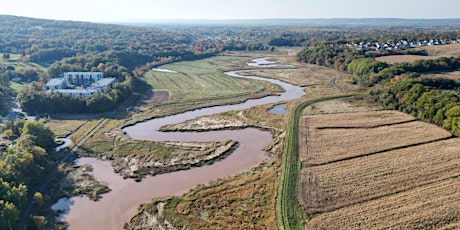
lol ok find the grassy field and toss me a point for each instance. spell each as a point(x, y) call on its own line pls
point(204, 80)
point(407, 182)
point(434, 52)
point(18, 65)
point(17, 87)
point(63, 128)
point(198, 84)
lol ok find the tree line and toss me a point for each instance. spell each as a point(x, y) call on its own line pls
point(23, 168)
point(432, 100)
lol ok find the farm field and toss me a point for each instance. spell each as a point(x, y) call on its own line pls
point(358, 119)
point(325, 145)
point(405, 177)
point(341, 184)
point(434, 206)
point(434, 52)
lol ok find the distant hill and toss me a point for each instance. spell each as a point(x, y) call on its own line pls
point(311, 22)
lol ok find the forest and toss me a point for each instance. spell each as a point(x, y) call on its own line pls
point(23, 168)
point(432, 100)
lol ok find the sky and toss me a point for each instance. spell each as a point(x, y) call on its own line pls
point(137, 10)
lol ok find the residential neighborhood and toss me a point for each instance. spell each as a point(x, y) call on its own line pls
point(401, 45)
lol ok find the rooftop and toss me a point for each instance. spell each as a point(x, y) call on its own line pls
point(84, 73)
point(76, 91)
point(55, 81)
point(104, 82)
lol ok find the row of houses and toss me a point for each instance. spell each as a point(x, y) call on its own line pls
point(401, 45)
point(87, 83)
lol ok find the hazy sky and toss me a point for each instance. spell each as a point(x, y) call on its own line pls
point(120, 10)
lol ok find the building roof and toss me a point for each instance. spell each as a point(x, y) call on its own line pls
point(84, 73)
point(75, 91)
point(55, 81)
point(104, 82)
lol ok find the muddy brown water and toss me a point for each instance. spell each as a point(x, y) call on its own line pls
point(116, 207)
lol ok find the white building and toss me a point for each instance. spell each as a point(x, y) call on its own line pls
point(56, 83)
point(101, 84)
point(92, 82)
point(77, 92)
point(83, 78)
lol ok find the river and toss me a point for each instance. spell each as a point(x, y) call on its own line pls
point(116, 207)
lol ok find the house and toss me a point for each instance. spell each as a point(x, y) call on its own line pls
point(83, 78)
point(56, 83)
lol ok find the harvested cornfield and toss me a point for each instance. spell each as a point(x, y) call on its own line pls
point(341, 184)
point(325, 145)
point(358, 119)
point(434, 206)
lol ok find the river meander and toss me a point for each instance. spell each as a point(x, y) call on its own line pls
point(116, 207)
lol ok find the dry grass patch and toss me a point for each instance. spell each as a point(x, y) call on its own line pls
point(332, 186)
point(392, 59)
point(450, 50)
point(366, 119)
point(305, 75)
point(348, 105)
point(454, 75)
point(320, 146)
point(435, 206)
point(63, 128)
point(243, 202)
point(215, 122)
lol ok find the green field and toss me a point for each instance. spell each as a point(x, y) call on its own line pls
point(17, 87)
point(18, 65)
point(205, 79)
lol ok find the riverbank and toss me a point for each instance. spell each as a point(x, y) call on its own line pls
point(236, 162)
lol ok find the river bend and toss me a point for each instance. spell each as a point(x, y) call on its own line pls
point(116, 207)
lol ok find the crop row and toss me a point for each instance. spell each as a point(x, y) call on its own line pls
point(434, 206)
point(320, 146)
point(332, 186)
